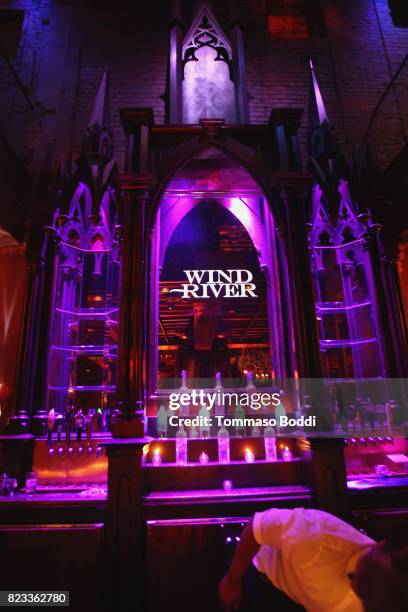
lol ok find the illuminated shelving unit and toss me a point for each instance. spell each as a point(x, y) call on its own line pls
point(348, 338)
point(83, 355)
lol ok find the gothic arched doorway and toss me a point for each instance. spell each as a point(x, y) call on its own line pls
point(215, 290)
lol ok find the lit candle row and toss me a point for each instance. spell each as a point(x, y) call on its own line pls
point(249, 456)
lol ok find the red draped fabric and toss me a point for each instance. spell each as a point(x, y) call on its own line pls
point(12, 286)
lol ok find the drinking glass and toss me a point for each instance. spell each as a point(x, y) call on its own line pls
point(31, 482)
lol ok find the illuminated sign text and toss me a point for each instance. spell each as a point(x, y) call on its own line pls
point(205, 284)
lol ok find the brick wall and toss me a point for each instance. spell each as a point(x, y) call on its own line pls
point(354, 63)
point(66, 45)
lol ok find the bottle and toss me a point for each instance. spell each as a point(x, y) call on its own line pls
point(183, 379)
point(223, 445)
point(50, 425)
point(162, 421)
point(270, 444)
point(250, 380)
point(3, 483)
point(204, 427)
point(181, 446)
point(279, 413)
point(239, 415)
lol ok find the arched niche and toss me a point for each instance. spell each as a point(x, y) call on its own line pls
point(207, 88)
point(215, 188)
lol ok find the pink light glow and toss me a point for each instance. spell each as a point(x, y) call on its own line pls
point(238, 208)
point(98, 245)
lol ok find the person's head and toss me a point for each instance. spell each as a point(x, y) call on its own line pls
point(381, 577)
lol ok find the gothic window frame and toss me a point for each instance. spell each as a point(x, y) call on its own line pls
point(336, 232)
point(205, 32)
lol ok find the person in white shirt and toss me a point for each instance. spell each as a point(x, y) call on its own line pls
point(305, 559)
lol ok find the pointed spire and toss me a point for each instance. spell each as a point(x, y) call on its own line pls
point(317, 112)
point(322, 138)
point(62, 185)
point(200, 4)
point(100, 112)
point(98, 135)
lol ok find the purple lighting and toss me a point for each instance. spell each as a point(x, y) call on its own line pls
point(319, 99)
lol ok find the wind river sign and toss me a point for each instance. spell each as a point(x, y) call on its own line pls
point(204, 284)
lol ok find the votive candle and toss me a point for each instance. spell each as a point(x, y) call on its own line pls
point(286, 454)
point(156, 459)
point(249, 456)
point(203, 458)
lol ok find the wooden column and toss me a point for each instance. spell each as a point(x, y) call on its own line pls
point(129, 417)
point(379, 291)
point(124, 533)
point(29, 338)
point(124, 526)
point(238, 63)
point(289, 364)
point(45, 316)
point(175, 113)
point(135, 184)
point(293, 191)
point(395, 306)
point(137, 124)
point(325, 472)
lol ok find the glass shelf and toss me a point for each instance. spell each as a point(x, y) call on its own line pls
point(102, 388)
point(86, 348)
point(345, 343)
point(323, 307)
point(83, 355)
point(345, 315)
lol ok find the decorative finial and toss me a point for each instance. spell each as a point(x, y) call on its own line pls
point(98, 136)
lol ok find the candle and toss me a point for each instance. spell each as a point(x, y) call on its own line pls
point(156, 458)
point(381, 471)
point(249, 456)
point(286, 454)
point(227, 485)
point(203, 458)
